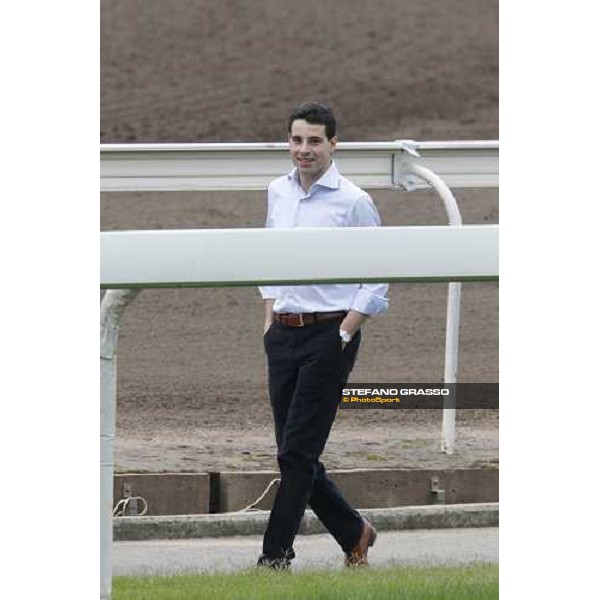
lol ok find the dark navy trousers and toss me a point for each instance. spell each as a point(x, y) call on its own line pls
point(307, 368)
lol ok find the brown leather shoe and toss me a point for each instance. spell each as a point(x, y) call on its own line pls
point(358, 556)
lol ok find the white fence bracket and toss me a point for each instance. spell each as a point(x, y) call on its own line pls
point(407, 168)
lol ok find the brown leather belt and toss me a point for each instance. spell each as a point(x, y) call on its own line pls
point(302, 319)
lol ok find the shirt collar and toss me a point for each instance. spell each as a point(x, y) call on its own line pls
point(329, 179)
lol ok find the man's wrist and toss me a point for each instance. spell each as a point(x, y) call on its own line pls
point(353, 322)
point(345, 336)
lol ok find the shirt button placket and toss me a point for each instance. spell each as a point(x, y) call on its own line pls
point(301, 198)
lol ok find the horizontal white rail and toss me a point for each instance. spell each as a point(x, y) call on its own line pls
point(246, 257)
point(251, 166)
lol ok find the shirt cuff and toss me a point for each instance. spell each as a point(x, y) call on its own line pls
point(268, 292)
point(368, 303)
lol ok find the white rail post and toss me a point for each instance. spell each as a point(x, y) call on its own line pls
point(454, 292)
point(111, 308)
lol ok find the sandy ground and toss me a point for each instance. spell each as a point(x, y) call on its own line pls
point(229, 70)
point(192, 378)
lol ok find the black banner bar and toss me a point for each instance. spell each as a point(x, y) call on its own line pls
point(420, 395)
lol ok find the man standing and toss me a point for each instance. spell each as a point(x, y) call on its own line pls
point(312, 335)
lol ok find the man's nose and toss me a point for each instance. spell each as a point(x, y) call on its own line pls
point(304, 147)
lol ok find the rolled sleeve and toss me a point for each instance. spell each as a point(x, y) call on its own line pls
point(268, 292)
point(370, 299)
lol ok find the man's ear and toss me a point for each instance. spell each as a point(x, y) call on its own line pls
point(333, 142)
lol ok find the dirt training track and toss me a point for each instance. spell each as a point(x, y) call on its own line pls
point(191, 367)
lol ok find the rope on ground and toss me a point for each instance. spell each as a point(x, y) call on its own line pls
point(251, 507)
point(123, 504)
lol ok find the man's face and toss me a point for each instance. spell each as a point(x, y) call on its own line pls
point(310, 149)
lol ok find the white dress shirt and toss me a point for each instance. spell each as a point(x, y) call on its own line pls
point(332, 201)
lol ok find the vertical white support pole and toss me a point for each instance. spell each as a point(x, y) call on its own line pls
point(451, 366)
point(111, 308)
point(453, 310)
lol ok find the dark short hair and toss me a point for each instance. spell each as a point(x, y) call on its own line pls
point(316, 114)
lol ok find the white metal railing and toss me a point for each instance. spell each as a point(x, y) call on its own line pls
point(176, 167)
point(250, 257)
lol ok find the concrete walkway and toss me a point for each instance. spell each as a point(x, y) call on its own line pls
point(414, 547)
point(399, 518)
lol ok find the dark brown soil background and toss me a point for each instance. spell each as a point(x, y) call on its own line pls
point(191, 368)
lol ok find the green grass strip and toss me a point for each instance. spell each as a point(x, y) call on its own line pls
point(472, 582)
